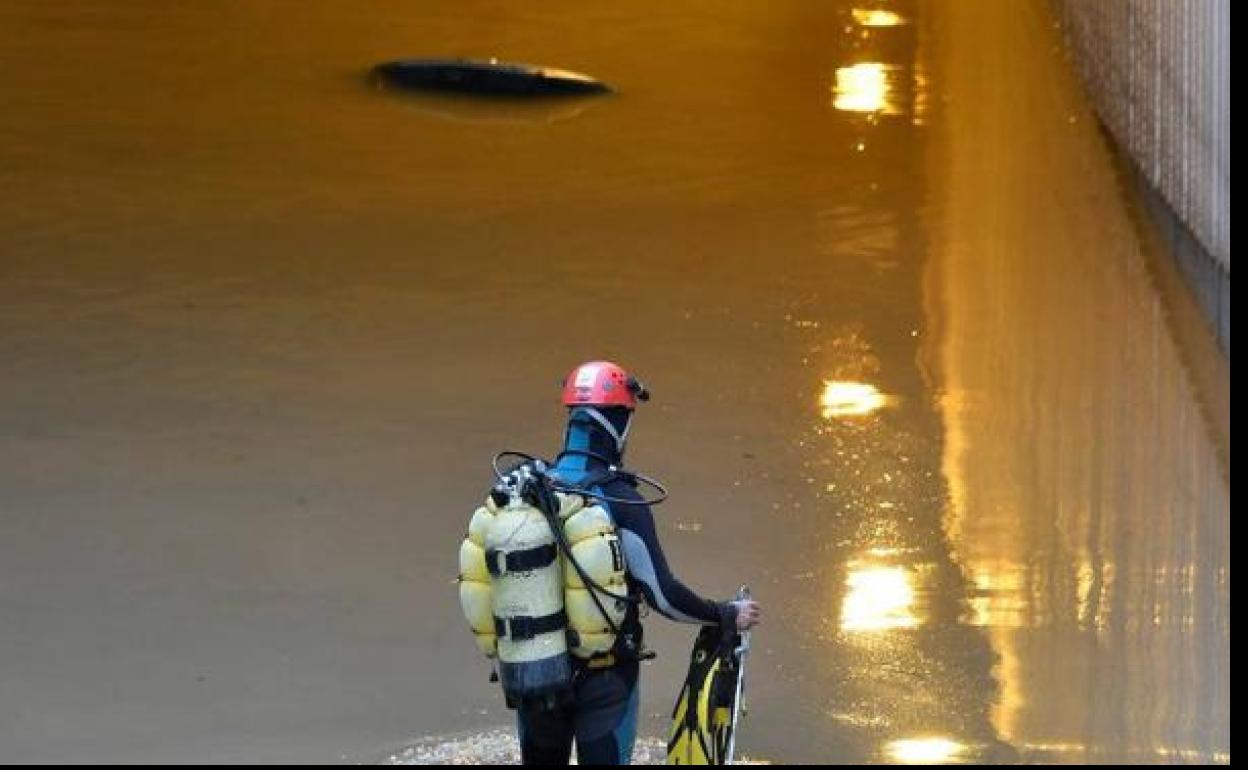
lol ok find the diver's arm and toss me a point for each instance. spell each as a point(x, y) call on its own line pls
point(648, 567)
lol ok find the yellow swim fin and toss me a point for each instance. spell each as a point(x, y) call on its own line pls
point(704, 718)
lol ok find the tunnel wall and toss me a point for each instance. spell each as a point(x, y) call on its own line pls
point(1158, 74)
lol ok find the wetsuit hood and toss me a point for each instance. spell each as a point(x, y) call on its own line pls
point(595, 437)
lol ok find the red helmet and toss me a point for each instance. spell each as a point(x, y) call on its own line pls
point(602, 383)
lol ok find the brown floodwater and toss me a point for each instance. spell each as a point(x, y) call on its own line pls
point(921, 377)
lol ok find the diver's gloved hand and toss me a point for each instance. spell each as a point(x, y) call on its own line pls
point(748, 613)
point(740, 615)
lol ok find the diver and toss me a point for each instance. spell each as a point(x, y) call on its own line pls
point(594, 600)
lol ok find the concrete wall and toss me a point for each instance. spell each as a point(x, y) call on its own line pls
point(1158, 72)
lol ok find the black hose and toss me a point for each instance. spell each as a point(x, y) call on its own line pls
point(511, 453)
point(548, 504)
point(542, 490)
point(572, 489)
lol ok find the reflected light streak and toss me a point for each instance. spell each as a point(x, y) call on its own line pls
point(876, 17)
point(879, 599)
point(850, 399)
point(1191, 756)
point(1164, 753)
point(863, 87)
point(925, 751)
point(999, 599)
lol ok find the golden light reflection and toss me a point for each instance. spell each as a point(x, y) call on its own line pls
point(850, 399)
point(925, 751)
point(1165, 753)
point(864, 87)
point(876, 17)
point(879, 599)
point(999, 599)
point(882, 552)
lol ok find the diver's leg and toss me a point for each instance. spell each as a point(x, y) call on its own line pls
point(606, 715)
point(545, 736)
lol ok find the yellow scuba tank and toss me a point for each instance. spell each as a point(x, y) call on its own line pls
point(475, 596)
point(526, 584)
point(527, 604)
point(596, 547)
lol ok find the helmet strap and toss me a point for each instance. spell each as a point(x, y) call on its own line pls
point(620, 438)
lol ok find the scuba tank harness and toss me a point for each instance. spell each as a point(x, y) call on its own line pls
point(532, 575)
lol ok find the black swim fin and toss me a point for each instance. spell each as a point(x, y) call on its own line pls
point(704, 720)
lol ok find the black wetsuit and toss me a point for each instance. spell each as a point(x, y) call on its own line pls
point(602, 714)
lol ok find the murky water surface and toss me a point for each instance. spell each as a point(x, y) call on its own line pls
point(262, 325)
